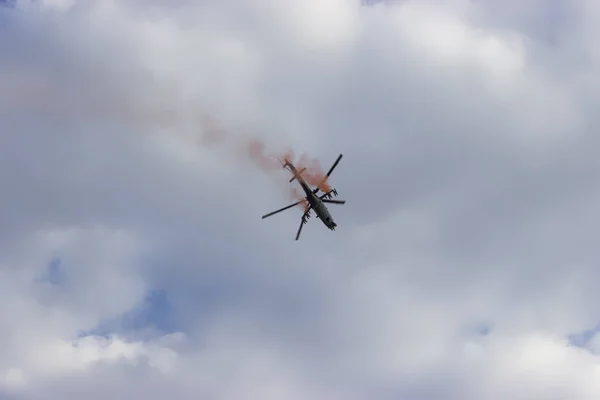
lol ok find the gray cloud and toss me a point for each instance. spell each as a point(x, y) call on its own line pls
point(468, 170)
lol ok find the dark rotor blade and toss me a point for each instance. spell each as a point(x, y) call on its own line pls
point(300, 228)
point(282, 209)
point(334, 201)
point(303, 220)
point(334, 164)
point(329, 172)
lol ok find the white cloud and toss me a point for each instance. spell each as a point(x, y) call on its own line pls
point(61, 5)
point(469, 172)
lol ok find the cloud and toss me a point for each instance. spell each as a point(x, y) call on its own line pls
point(464, 257)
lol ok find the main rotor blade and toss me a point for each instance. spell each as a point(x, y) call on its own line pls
point(304, 220)
point(334, 164)
point(329, 172)
point(334, 201)
point(300, 228)
point(282, 209)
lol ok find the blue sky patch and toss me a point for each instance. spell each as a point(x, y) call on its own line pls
point(8, 3)
point(582, 339)
point(153, 314)
point(54, 274)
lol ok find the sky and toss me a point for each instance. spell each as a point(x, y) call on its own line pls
point(133, 260)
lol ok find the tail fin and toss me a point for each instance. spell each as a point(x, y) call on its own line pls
point(298, 174)
point(284, 162)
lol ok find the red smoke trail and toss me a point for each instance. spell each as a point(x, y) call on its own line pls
point(25, 92)
point(255, 150)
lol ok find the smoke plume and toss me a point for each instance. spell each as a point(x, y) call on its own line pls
point(255, 150)
point(22, 92)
